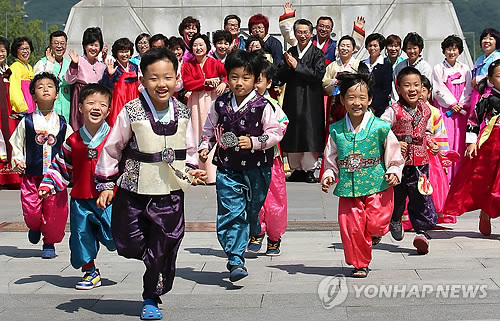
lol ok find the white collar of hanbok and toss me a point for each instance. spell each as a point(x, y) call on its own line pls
point(170, 107)
point(44, 125)
point(320, 45)
point(379, 61)
point(362, 126)
point(235, 106)
point(303, 52)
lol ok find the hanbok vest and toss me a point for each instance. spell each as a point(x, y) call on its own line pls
point(360, 158)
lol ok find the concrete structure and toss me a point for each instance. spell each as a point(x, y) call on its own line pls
point(433, 19)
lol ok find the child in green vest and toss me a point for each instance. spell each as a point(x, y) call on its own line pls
point(363, 156)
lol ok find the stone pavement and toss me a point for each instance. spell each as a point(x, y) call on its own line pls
point(278, 288)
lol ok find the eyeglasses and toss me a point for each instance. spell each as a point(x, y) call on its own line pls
point(143, 44)
point(259, 28)
point(232, 25)
point(24, 49)
point(57, 43)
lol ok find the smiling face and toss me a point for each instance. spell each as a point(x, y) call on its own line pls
point(241, 82)
point(199, 48)
point(345, 50)
point(324, 29)
point(258, 30)
point(123, 56)
point(374, 49)
point(24, 52)
point(451, 54)
point(413, 52)
point(45, 93)
point(58, 46)
point(221, 47)
point(3, 54)
point(393, 50)
point(303, 35)
point(92, 49)
point(356, 100)
point(232, 26)
point(178, 52)
point(425, 94)
point(189, 32)
point(160, 79)
point(143, 46)
point(262, 84)
point(488, 44)
point(410, 89)
point(95, 109)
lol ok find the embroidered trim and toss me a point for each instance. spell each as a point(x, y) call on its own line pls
point(100, 187)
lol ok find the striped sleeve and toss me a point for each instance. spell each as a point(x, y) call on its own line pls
point(58, 176)
point(439, 130)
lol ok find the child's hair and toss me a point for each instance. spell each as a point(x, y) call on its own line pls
point(258, 19)
point(155, 54)
point(43, 75)
point(406, 71)
point(58, 33)
point(253, 38)
point(426, 82)
point(415, 39)
point(392, 39)
point(204, 38)
point(250, 62)
point(5, 43)
point(351, 39)
point(158, 37)
point(347, 80)
point(122, 44)
point(492, 32)
point(378, 37)
point(268, 69)
point(139, 38)
point(232, 16)
point(91, 35)
point(176, 41)
point(189, 20)
point(222, 35)
point(483, 84)
point(91, 89)
point(18, 42)
point(453, 41)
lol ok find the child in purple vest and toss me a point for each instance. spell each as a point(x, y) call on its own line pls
point(244, 127)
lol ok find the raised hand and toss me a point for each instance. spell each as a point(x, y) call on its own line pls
point(50, 56)
point(111, 67)
point(104, 52)
point(288, 7)
point(290, 60)
point(73, 55)
point(360, 22)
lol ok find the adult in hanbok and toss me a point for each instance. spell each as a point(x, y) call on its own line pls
point(21, 76)
point(258, 25)
point(141, 46)
point(222, 40)
point(393, 50)
point(205, 78)
point(490, 43)
point(121, 77)
point(83, 70)
point(158, 40)
point(7, 125)
point(55, 63)
point(232, 23)
point(381, 70)
point(302, 70)
point(452, 91)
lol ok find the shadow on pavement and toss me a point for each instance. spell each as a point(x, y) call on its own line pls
point(219, 253)
point(315, 270)
point(448, 234)
point(115, 307)
point(382, 246)
point(67, 282)
point(15, 252)
point(207, 277)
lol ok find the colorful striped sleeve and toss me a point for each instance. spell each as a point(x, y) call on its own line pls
point(439, 130)
point(58, 176)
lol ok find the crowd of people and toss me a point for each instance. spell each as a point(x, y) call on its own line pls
point(408, 145)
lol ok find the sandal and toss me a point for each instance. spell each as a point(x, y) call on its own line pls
point(150, 310)
point(360, 273)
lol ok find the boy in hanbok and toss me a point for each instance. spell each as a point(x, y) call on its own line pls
point(273, 214)
point(477, 184)
point(36, 140)
point(451, 92)
point(150, 155)
point(364, 158)
point(410, 119)
point(244, 127)
point(76, 163)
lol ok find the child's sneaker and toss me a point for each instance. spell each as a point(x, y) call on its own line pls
point(49, 251)
point(237, 273)
point(421, 243)
point(34, 236)
point(90, 280)
point(255, 243)
point(397, 231)
point(273, 248)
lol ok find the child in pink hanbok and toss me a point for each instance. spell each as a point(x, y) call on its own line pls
point(452, 91)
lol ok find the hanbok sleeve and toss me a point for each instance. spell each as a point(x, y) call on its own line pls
point(207, 140)
point(286, 27)
point(393, 159)
point(3, 149)
point(18, 142)
point(331, 157)
point(466, 94)
point(16, 95)
point(389, 116)
point(110, 80)
point(272, 133)
point(441, 93)
point(58, 175)
point(191, 147)
point(40, 67)
point(71, 75)
point(359, 36)
point(314, 73)
point(192, 78)
point(329, 78)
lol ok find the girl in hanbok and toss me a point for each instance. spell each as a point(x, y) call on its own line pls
point(83, 70)
point(22, 74)
point(121, 77)
point(477, 183)
point(452, 91)
point(205, 77)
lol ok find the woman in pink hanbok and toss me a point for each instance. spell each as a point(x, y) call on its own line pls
point(452, 91)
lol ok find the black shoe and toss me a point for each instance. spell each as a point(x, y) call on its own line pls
point(34, 236)
point(310, 177)
point(297, 176)
point(397, 231)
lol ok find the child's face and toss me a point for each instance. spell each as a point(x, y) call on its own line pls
point(425, 94)
point(3, 54)
point(24, 52)
point(254, 46)
point(45, 92)
point(451, 54)
point(95, 109)
point(160, 79)
point(356, 100)
point(123, 56)
point(92, 49)
point(222, 47)
point(495, 78)
point(410, 89)
point(262, 84)
point(412, 51)
point(199, 47)
point(241, 82)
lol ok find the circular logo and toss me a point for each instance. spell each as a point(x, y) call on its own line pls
point(332, 291)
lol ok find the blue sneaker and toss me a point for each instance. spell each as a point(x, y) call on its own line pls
point(273, 248)
point(150, 310)
point(238, 272)
point(89, 281)
point(49, 251)
point(34, 236)
point(255, 243)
